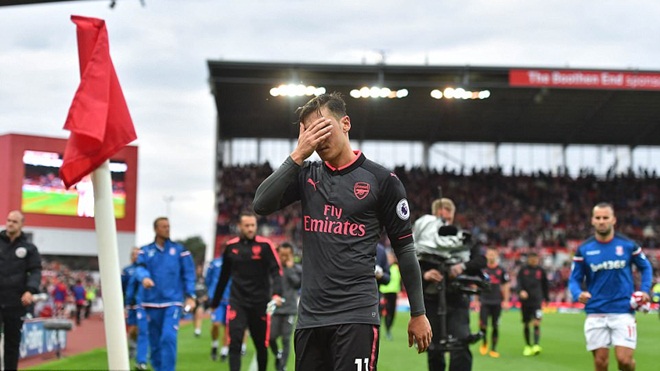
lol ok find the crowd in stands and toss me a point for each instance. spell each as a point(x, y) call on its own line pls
point(513, 212)
point(71, 293)
point(521, 210)
point(538, 209)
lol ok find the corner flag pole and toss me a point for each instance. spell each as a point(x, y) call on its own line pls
point(106, 236)
point(100, 126)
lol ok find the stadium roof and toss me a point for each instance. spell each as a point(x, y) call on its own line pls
point(526, 105)
point(25, 2)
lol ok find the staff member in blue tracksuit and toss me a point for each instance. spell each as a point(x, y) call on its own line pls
point(167, 272)
point(219, 315)
point(136, 319)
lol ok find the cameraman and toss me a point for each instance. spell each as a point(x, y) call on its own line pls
point(437, 239)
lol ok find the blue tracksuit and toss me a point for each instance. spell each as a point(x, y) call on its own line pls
point(212, 277)
point(607, 267)
point(137, 316)
point(172, 270)
point(211, 281)
point(126, 275)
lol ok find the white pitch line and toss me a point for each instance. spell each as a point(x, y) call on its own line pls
point(253, 364)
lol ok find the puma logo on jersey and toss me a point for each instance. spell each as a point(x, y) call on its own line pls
point(313, 183)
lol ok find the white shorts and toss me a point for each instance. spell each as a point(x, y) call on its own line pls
point(607, 330)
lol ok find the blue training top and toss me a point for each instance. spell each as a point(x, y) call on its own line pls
point(607, 267)
point(212, 278)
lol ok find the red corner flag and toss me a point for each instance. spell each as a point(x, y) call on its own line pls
point(98, 119)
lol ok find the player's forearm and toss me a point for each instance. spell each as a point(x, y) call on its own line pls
point(223, 280)
point(575, 287)
point(269, 193)
point(217, 295)
point(646, 271)
point(34, 280)
point(276, 278)
point(293, 278)
point(141, 272)
point(411, 277)
point(506, 296)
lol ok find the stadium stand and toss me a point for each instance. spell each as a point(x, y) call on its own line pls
point(516, 212)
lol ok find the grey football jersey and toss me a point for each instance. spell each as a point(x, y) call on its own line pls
point(343, 213)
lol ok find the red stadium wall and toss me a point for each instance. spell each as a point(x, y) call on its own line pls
point(12, 148)
point(5, 171)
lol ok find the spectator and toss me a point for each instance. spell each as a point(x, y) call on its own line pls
point(79, 298)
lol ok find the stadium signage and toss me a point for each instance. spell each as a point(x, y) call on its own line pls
point(578, 79)
point(37, 340)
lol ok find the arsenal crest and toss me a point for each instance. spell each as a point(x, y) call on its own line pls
point(256, 252)
point(361, 190)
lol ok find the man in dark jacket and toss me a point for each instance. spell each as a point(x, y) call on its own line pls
point(251, 262)
point(281, 322)
point(20, 264)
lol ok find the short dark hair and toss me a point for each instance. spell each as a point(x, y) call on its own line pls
point(246, 213)
point(333, 102)
point(159, 219)
point(604, 205)
point(285, 245)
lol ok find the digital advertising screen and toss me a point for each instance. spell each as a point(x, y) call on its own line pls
point(43, 191)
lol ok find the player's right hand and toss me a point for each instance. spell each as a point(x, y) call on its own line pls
point(275, 302)
point(148, 283)
point(419, 333)
point(432, 275)
point(310, 137)
point(584, 297)
point(26, 298)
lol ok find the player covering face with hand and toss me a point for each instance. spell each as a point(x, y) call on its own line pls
point(346, 201)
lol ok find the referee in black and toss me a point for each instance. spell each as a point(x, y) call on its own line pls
point(20, 264)
point(346, 202)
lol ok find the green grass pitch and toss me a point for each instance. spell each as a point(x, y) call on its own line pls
point(562, 340)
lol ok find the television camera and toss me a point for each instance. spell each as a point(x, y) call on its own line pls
point(450, 239)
